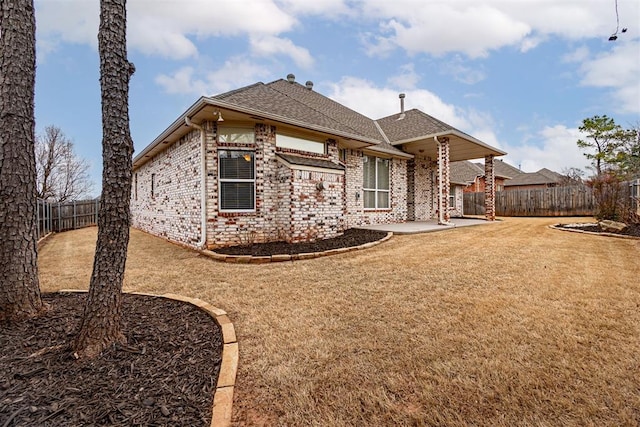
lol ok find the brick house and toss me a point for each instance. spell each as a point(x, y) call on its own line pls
point(279, 161)
point(470, 175)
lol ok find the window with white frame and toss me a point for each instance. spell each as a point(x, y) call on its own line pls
point(452, 197)
point(237, 190)
point(238, 135)
point(301, 144)
point(375, 185)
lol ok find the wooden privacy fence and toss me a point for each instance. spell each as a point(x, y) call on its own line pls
point(553, 201)
point(53, 216)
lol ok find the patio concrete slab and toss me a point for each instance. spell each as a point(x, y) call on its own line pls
point(415, 227)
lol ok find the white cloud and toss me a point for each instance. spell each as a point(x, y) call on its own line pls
point(316, 7)
point(365, 97)
point(162, 28)
point(478, 30)
point(529, 43)
point(269, 45)
point(477, 27)
point(554, 147)
point(463, 73)
point(578, 55)
point(617, 69)
point(406, 78)
point(234, 73)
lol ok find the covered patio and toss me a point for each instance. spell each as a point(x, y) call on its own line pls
point(432, 140)
point(417, 227)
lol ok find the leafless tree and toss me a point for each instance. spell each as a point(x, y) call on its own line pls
point(572, 176)
point(61, 174)
point(101, 323)
point(19, 286)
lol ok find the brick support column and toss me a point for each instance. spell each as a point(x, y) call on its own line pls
point(443, 165)
point(411, 190)
point(489, 188)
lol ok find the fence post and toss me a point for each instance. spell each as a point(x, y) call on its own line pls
point(38, 216)
point(74, 215)
point(50, 214)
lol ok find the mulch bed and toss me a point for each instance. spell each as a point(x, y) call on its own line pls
point(166, 375)
point(631, 230)
point(351, 237)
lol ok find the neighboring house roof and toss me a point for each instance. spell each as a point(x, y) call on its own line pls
point(464, 172)
point(542, 177)
point(555, 176)
point(502, 169)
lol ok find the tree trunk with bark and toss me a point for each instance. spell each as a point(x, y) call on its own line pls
point(19, 286)
point(101, 323)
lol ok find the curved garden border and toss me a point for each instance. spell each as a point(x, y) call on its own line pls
point(250, 259)
point(223, 397)
point(619, 236)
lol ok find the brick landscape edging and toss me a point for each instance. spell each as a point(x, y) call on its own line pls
point(619, 236)
point(223, 397)
point(249, 259)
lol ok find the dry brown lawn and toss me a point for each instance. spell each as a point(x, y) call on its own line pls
point(503, 324)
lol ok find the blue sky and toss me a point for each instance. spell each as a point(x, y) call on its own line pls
point(518, 74)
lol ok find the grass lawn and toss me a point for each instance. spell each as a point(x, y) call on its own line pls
point(504, 324)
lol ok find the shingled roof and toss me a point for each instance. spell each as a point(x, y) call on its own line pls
point(292, 104)
point(542, 177)
point(295, 101)
point(464, 172)
point(503, 169)
point(414, 124)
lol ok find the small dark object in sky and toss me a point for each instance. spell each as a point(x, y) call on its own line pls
point(624, 30)
point(613, 37)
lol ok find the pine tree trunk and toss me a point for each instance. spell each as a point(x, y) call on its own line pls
point(19, 286)
point(101, 323)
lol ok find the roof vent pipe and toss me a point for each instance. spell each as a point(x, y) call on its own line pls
point(291, 78)
point(401, 96)
point(309, 84)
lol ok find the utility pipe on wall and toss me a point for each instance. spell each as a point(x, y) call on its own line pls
point(203, 182)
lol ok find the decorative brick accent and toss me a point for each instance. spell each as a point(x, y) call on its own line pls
point(489, 188)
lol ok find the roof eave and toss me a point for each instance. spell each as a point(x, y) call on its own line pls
point(204, 101)
point(390, 152)
point(454, 132)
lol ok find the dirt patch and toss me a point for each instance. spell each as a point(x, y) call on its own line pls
point(166, 375)
point(351, 237)
point(631, 230)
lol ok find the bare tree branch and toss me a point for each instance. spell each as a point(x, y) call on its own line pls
point(61, 174)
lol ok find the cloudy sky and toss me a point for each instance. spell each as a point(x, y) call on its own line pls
point(518, 74)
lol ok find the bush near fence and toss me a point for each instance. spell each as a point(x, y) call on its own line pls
point(53, 216)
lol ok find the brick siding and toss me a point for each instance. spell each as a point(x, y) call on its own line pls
point(290, 204)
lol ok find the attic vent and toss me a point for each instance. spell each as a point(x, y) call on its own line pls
point(309, 84)
point(291, 78)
